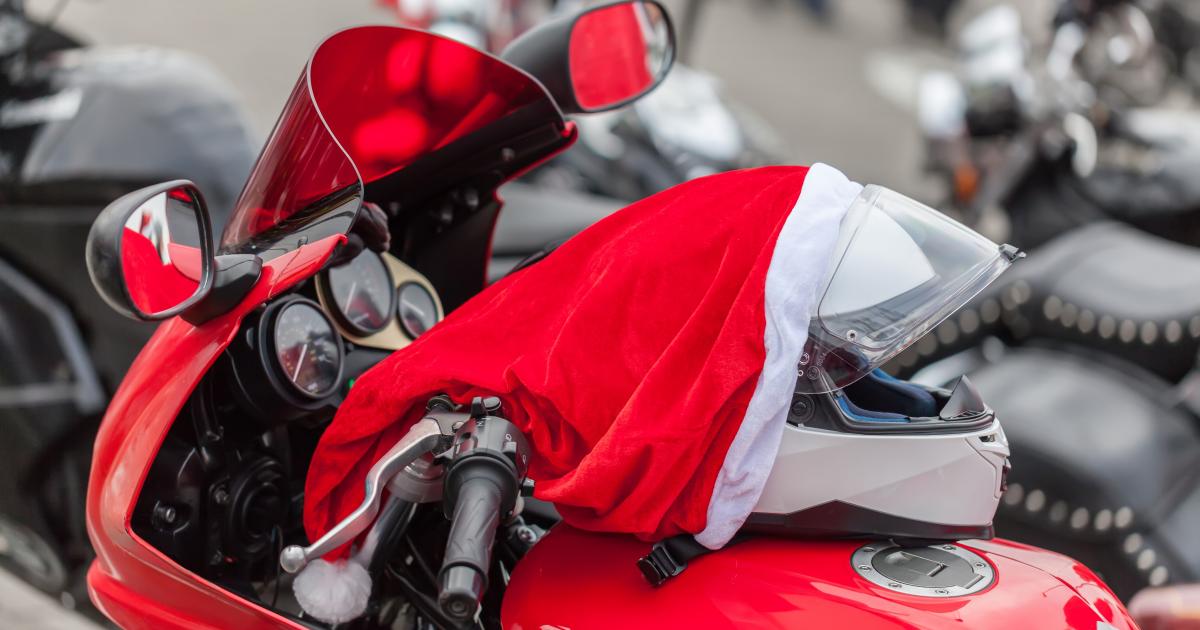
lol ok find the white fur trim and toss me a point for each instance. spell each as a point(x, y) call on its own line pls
point(798, 267)
point(333, 592)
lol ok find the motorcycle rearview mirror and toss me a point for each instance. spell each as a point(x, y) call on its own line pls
point(149, 253)
point(600, 59)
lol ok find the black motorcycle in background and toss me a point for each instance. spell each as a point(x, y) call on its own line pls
point(80, 126)
point(1032, 142)
point(1089, 348)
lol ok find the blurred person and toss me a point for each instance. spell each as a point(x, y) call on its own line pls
point(1167, 608)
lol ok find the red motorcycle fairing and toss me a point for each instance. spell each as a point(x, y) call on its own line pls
point(131, 582)
point(342, 129)
point(582, 580)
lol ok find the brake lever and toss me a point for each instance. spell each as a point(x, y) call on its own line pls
point(431, 434)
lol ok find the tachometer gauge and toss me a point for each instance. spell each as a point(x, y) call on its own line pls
point(307, 350)
point(362, 294)
point(416, 309)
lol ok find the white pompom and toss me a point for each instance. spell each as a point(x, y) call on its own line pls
point(333, 592)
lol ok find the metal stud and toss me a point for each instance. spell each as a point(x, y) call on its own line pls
point(1159, 576)
point(907, 358)
point(947, 333)
point(1079, 518)
point(1173, 331)
point(1107, 326)
point(1014, 494)
point(1149, 332)
point(1128, 330)
point(1104, 519)
point(1145, 559)
point(1132, 543)
point(1087, 321)
point(1035, 501)
point(927, 345)
point(1123, 517)
point(1194, 326)
point(1022, 292)
point(989, 312)
point(1008, 299)
point(1070, 313)
point(1058, 511)
point(1052, 307)
point(969, 321)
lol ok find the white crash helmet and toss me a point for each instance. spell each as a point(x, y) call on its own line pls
point(865, 454)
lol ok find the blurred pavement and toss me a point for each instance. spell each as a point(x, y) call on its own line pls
point(22, 606)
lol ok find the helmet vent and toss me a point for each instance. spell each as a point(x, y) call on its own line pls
point(930, 571)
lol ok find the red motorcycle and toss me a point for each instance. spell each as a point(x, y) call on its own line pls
point(196, 487)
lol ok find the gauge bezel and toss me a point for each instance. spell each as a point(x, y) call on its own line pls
point(270, 357)
point(327, 286)
point(396, 306)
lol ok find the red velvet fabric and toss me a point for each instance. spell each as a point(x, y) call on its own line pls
point(628, 357)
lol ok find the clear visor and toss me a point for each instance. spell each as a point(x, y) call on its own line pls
point(900, 268)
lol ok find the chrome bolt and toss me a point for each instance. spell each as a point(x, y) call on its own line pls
point(526, 535)
point(894, 584)
point(864, 567)
point(165, 513)
point(942, 591)
point(948, 547)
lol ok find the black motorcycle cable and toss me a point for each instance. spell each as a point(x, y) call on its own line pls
point(429, 574)
point(424, 604)
point(277, 536)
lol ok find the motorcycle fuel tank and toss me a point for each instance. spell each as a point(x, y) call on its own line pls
point(581, 580)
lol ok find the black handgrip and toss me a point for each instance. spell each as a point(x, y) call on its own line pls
point(469, 548)
point(479, 489)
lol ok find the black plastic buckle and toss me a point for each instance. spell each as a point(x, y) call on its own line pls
point(659, 565)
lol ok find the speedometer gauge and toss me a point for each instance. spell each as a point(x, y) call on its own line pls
point(307, 349)
point(362, 294)
point(416, 309)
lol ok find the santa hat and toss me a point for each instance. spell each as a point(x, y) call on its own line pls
point(650, 360)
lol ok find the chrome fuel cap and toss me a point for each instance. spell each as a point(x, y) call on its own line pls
point(929, 571)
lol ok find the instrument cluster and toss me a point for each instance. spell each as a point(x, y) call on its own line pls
point(309, 351)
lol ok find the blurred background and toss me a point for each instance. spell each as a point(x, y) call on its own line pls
point(1033, 121)
point(839, 90)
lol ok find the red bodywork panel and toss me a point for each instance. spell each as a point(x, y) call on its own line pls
point(133, 583)
point(583, 581)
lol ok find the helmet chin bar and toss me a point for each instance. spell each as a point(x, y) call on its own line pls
point(921, 470)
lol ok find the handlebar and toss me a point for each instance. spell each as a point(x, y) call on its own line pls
point(463, 578)
point(481, 486)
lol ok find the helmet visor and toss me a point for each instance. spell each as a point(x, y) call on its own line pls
point(900, 268)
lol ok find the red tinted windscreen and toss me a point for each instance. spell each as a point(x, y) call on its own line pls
point(373, 100)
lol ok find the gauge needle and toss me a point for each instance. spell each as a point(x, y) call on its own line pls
point(299, 362)
point(415, 308)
